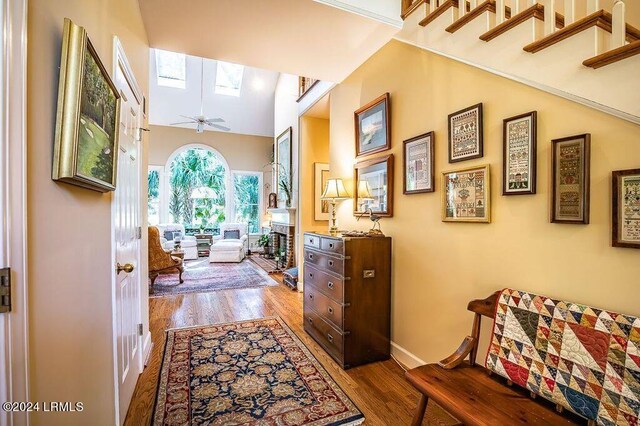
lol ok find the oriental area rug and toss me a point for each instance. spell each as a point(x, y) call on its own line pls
point(200, 276)
point(254, 372)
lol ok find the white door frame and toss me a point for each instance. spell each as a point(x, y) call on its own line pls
point(14, 379)
point(144, 341)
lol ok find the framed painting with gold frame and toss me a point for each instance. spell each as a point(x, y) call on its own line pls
point(466, 195)
point(87, 122)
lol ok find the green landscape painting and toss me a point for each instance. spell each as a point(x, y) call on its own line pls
point(98, 124)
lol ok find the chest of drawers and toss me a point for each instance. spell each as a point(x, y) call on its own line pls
point(347, 296)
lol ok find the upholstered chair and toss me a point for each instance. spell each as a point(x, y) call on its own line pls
point(229, 246)
point(188, 243)
point(160, 260)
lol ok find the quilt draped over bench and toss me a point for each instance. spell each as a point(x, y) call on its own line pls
point(583, 358)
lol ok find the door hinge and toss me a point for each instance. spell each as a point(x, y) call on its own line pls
point(5, 290)
point(139, 232)
point(140, 329)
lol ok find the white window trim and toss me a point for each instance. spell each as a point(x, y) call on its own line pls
point(168, 81)
point(260, 176)
point(224, 90)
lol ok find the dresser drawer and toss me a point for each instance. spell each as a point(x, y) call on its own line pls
point(332, 245)
point(326, 283)
point(312, 241)
point(323, 333)
point(325, 307)
point(325, 261)
point(312, 257)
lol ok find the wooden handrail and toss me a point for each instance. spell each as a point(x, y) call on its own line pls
point(535, 11)
point(412, 7)
point(305, 84)
point(614, 55)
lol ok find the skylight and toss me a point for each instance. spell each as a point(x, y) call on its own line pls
point(229, 79)
point(171, 69)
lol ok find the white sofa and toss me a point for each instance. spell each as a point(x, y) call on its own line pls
point(229, 249)
point(188, 243)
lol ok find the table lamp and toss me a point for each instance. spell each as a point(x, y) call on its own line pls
point(334, 191)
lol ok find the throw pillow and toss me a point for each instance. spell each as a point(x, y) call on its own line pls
point(232, 234)
point(168, 235)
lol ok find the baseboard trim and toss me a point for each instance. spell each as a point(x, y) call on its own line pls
point(146, 349)
point(404, 357)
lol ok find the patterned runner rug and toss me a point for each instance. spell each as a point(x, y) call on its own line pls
point(200, 276)
point(254, 372)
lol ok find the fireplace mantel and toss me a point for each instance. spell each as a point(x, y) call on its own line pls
point(283, 216)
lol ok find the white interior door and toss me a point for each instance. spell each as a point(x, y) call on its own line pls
point(127, 235)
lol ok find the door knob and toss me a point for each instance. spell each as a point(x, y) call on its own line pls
point(127, 267)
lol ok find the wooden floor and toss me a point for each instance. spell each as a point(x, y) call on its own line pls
point(378, 389)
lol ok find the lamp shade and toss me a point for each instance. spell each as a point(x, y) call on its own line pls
point(334, 190)
point(364, 191)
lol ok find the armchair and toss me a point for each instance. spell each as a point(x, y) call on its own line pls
point(240, 227)
point(160, 261)
point(229, 249)
point(187, 242)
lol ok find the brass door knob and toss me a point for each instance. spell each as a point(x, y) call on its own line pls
point(127, 267)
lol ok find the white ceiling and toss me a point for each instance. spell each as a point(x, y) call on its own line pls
point(251, 113)
point(300, 37)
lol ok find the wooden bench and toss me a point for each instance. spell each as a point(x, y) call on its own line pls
point(474, 395)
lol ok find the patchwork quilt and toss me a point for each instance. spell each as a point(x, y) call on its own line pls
point(583, 358)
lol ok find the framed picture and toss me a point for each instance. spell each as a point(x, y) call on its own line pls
point(320, 176)
point(284, 164)
point(374, 186)
point(466, 195)
point(86, 138)
point(418, 161)
point(570, 159)
point(373, 129)
point(626, 208)
point(465, 134)
point(519, 138)
point(273, 200)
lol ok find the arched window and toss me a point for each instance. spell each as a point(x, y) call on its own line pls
point(197, 189)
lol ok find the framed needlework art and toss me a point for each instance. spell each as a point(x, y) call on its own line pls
point(626, 208)
point(466, 195)
point(570, 159)
point(418, 161)
point(320, 177)
point(519, 154)
point(465, 134)
point(373, 180)
point(373, 129)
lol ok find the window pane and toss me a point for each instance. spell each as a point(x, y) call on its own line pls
point(246, 200)
point(153, 180)
point(171, 68)
point(229, 78)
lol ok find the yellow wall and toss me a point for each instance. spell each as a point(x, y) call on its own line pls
point(438, 267)
point(69, 228)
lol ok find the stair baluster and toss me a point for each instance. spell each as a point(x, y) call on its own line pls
point(593, 6)
point(618, 24)
point(500, 12)
point(550, 17)
point(569, 11)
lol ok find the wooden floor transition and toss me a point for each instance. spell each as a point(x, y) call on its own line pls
point(378, 389)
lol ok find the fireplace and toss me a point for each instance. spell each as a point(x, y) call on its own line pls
point(284, 229)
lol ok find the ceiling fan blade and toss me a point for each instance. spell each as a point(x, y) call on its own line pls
point(188, 118)
point(215, 120)
point(217, 126)
point(181, 122)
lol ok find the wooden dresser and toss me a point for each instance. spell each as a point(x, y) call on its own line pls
point(347, 296)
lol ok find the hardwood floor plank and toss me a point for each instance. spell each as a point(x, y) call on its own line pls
point(378, 389)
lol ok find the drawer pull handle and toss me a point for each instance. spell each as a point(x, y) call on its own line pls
point(330, 285)
point(330, 338)
point(330, 309)
point(331, 263)
point(310, 256)
point(310, 320)
point(311, 296)
point(330, 245)
point(311, 240)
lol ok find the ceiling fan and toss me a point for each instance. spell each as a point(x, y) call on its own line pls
point(201, 120)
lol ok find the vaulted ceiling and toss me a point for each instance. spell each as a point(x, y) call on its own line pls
point(300, 37)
